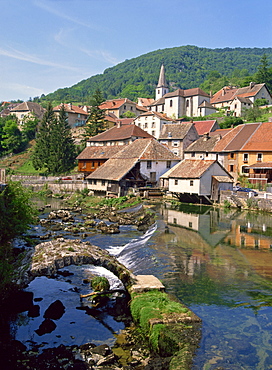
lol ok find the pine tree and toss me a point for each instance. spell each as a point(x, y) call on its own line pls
point(263, 74)
point(96, 120)
point(54, 149)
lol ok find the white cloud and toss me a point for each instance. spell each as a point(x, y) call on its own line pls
point(61, 14)
point(17, 54)
point(100, 55)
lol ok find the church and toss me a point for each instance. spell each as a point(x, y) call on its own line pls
point(192, 102)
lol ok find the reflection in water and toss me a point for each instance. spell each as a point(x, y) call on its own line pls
point(217, 262)
point(222, 271)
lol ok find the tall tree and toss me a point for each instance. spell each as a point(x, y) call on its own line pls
point(263, 74)
point(96, 120)
point(55, 149)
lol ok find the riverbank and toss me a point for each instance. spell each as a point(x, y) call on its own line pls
point(141, 217)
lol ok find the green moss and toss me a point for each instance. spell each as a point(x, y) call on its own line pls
point(154, 336)
point(100, 283)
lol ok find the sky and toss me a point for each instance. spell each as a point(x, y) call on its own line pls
point(50, 44)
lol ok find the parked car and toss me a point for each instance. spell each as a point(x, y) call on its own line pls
point(245, 190)
point(66, 178)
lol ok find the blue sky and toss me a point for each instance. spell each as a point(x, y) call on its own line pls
point(50, 44)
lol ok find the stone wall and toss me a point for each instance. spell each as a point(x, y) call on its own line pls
point(241, 200)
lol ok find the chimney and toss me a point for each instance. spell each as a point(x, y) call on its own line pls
point(70, 106)
point(118, 124)
point(252, 84)
point(223, 92)
point(206, 136)
point(169, 134)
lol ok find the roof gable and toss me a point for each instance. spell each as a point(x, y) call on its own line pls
point(175, 130)
point(189, 169)
point(122, 132)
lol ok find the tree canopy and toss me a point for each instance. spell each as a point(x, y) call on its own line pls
point(96, 121)
point(54, 150)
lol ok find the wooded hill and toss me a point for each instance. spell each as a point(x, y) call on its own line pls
point(186, 67)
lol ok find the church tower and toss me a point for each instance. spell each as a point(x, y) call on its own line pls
point(162, 87)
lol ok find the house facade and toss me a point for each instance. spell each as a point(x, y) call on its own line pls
point(196, 177)
point(235, 99)
point(152, 122)
point(138, 164)
point(118, 135)
point(177, 137)
point(76, 115)
point(26, 110)
point(92, 157)
point(120, 106)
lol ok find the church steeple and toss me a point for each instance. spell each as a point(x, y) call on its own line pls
point(162, 87)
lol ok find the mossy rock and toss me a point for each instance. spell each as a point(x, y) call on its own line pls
point(100, 284)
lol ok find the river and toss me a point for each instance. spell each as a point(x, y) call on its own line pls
point(217, 262)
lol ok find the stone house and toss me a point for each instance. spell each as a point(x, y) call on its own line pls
point(138, 164)
point(177, 137)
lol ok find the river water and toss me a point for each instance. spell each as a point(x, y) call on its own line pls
point(217, 262)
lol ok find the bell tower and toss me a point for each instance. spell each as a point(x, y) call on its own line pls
point(162, 87)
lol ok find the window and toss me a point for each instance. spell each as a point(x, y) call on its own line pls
point(153, 124)
point(191, 182)
point(176, 181)
point(153, 133)
point(259, 157)
point(187, 103)
point(92, 164)
point(193, 154)
point(245, 157)
point(190, 224)
point(231, 168)
point(174, 220)
point(232, 156)
point(171, 103)
point(148, 164)
point(103, 182)
point(145, 125)
point(94, 182)
point(168, 164)
point(175, 143)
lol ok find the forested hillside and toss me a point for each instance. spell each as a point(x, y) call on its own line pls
point(186, 67)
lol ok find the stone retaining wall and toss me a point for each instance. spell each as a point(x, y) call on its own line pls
point(241, 200)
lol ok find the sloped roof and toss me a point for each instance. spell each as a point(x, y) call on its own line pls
point(261, 165)
point(228, 93)
point(115, 103)
point(175, 130)
point(185, 93)
point(69, 108)
point(220, 131)
point(121, 163)
point(121, 133)
point(162, 116)
point(203, 144)
point(35, 108)
point(99, 152)
point(242, 137)
point(147, 149)
point(145, 102)
point(223, 178)
point(114, 169)
point(261, 138)
point(206, 104)
point(189, 169)
point(204, 126)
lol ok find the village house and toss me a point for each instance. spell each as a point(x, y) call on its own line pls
point(118, 135)
point(180, 102)
point(243, 150)
point(138, 164)
point(27, 110)
point(196, 180)
point(236, 100)
point(152, 122)
point(76, 115)
point(178, 136)
point(203, 127)
point(93, 157)
point(121, 106)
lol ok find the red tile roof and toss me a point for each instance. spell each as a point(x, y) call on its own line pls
point(115, 103)
point(261, 138)
point(121, 133)
point(71, 109)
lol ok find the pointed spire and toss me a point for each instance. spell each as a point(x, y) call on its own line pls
point(162, 80)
